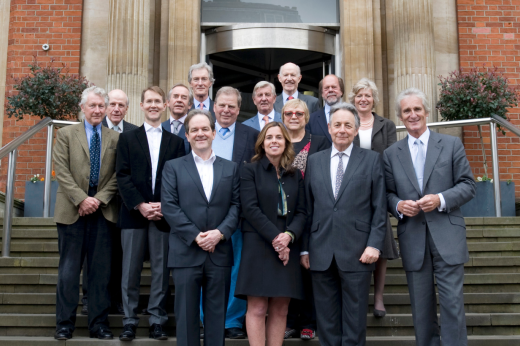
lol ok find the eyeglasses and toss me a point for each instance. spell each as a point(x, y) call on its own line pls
point(290, 114)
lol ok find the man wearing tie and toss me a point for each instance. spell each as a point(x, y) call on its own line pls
point(116, 111)
point(85, 214)
point(142, 154)
point(290, 77)
point(428, 178)
point(331, 88)
point(345, 190)
point(201, 79)
point(201, 203)
point(263, 98)
point(180, 100)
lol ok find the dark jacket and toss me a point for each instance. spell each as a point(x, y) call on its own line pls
point(383, 134)
point(318, 126)
point(126, 125)
point(244, 144)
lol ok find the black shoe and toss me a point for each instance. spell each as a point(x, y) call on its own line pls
point(63, 334)
point(235, 333)
point(145, 312)
point(379, 313)
point(84, 308)
point(157, 333)
point(128, 333)
point(102, 333)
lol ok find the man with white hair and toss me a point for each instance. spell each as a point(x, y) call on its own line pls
point(201, 79)
point(264, 95)
point(116, 110)
point(85, 214)
point(290, 77)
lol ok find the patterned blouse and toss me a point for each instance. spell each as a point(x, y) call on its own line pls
point(300, 160)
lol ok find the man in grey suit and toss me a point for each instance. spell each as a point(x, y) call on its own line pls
point(263, 98)
point(180, 100)
point(201, 203)
point(428, 178)
point(290, 76)
point(345, 191)
point(200, 77)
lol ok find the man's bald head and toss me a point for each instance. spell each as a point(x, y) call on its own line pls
point(117, 106)
point(290, 76)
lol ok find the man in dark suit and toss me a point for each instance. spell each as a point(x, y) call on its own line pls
point(290, 76)
point(346, 201)
point(264, 95)
point(234, 142)
point(180, 100)
point(201, 79)
point(116, 111)
point(142, 154)
point(331, 89)
point(200, 202)
point(428, 178)
point(85, 214)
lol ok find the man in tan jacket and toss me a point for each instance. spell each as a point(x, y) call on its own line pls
point(85, 214)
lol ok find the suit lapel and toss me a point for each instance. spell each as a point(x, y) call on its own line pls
point(143, 140)
point(378, 125)
point(322, 121)
point(405, 157)
point(217, 174)
point(325, 166)
point(278, 117)
point(81, 133)
point(432, 154)
point(167, 126)
point(238, 148)
point(278, 104)
point(356, 156)
point(165, 143)
point(194, 174)
point(104, 140)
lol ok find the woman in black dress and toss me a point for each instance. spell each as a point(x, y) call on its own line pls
point(273, 205)
point(301, 318)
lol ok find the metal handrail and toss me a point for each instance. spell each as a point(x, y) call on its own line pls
point(12, 148)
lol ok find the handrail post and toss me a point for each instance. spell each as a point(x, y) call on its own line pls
point(48, 172)
point(496, 173)
point(9, 201)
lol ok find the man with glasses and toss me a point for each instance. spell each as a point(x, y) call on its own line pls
point(264, 96)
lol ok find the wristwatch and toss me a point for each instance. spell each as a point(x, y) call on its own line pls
point(222, 236)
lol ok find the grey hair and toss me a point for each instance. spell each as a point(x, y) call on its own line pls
point(263, 84)
point(94, 90)
point(411, 92)
point(364, 83)
point(190, 93)
point(227, 90)
point(195, 112)
point(200, 66)
point(299, 69)
point(346, 107)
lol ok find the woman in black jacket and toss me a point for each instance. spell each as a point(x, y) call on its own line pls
point(273, 205)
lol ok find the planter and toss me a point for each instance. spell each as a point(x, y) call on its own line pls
point(484, 202)
point(34, 198)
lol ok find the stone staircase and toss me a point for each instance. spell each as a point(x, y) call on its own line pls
point(492, 291)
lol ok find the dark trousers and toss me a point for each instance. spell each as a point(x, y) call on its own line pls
point(341, 305)
point(421, 285)
point(91, 236)
point(215, 282)
point(302, 313)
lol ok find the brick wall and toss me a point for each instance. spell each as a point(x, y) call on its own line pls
point(488, 34)
point(32, 24)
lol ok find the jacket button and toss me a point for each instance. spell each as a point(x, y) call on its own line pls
point(288, 211)
point(283, 182)
point(287, 196)
point(424, 223)
point(335, 209)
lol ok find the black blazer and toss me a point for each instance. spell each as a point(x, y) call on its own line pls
point(383, 134)
point(244, 144)
point(259, 197)
point(134, 174)
point(188, 212)
point(182, 134)
point(126, 125)
point(318, 143)
point(318, 125)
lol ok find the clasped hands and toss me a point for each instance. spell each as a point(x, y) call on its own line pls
point(88, 206)
point(208, 240)
point(151, 211)
point(411, 208)
point(280, 245)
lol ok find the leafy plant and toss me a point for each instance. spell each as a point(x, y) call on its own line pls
point(476, 94)
point(47, 92)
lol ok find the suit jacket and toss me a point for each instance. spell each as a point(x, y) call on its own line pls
point(134, 174)
point(446, 171)
point(211, 104)
point(182, 134)
point(255, 123)
point(318, 125)
point(342, 228)
point(244, 144)
point(72, 165)
point(383, 134)
point(126, 125)
point(188, 212)
point(312, 102)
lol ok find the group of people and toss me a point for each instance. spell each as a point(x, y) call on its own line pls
point(284, 215)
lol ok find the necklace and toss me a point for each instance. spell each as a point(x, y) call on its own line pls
point(367, 125)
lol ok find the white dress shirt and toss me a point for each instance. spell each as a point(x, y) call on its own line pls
point(206, 104)
point(285, 96)
point(154, 136)
point(327, 113)
point(365, 139)
point(180, 119)
point(261, 119)
point(424, 138)
point(205, 169)
point(111, 125)
point(334, 161)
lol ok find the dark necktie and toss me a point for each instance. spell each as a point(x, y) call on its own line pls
point(94, 158)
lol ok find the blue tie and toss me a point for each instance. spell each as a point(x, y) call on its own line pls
point(94, 158)
point(418, 164)
point(223, 131)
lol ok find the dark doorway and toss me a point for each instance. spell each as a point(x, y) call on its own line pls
point(242, 69)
